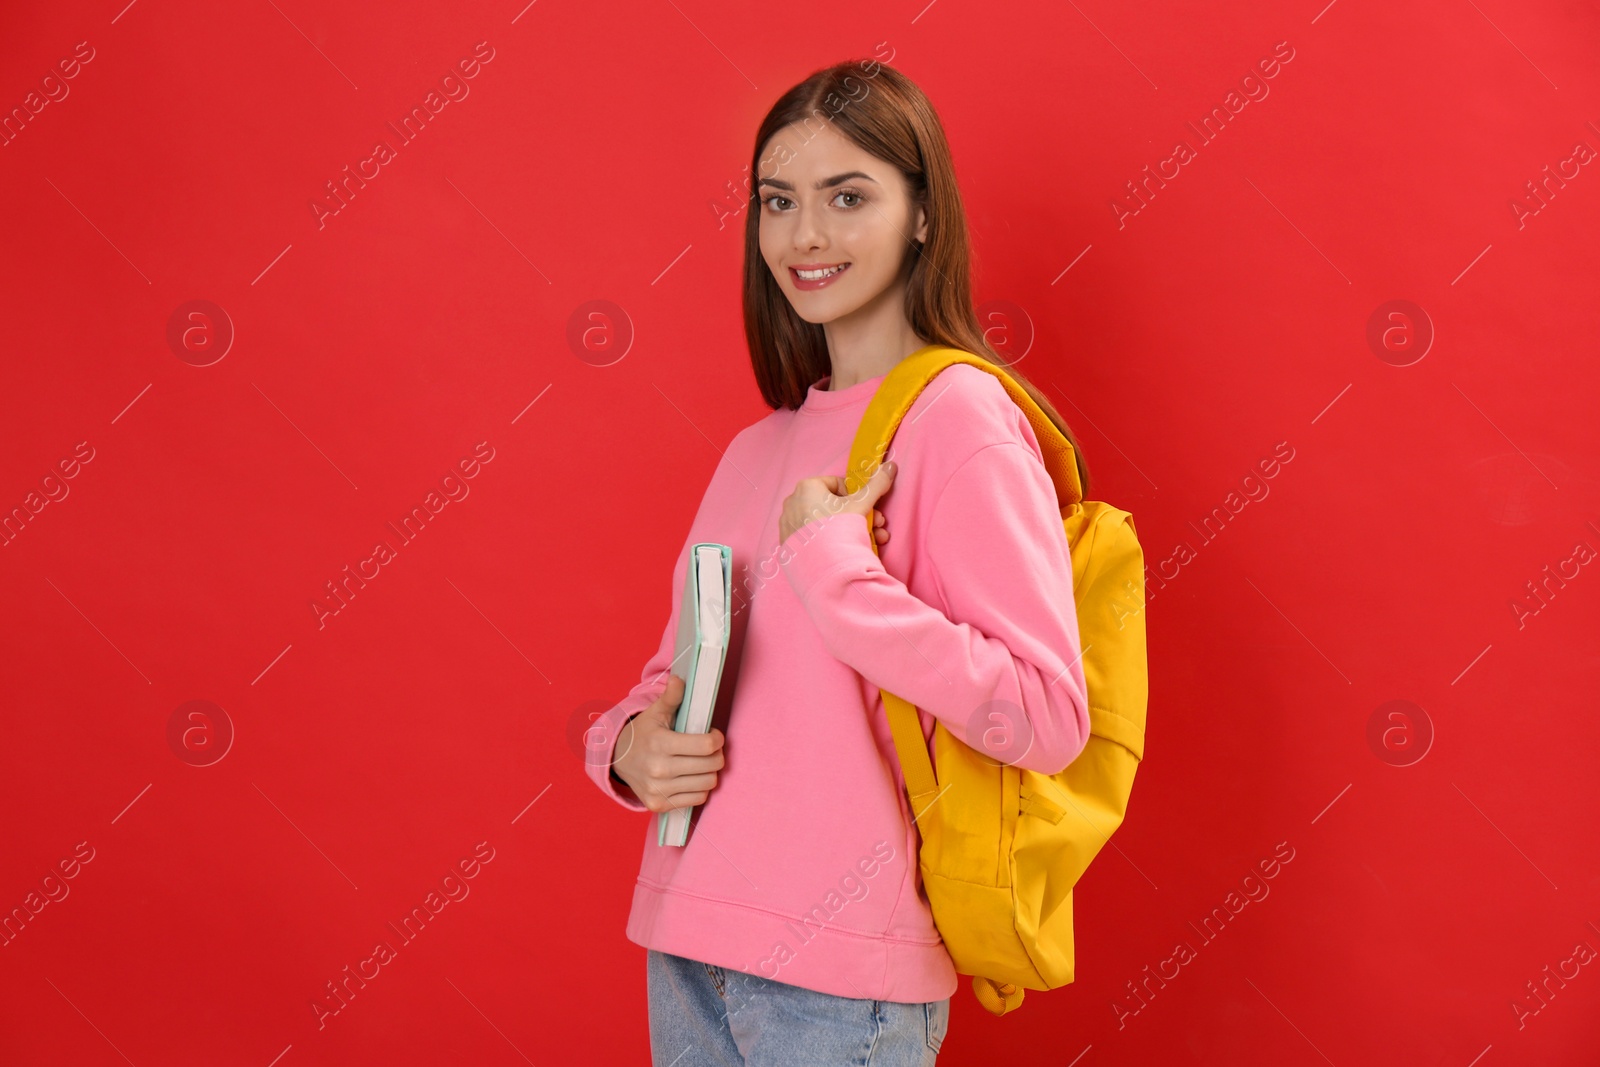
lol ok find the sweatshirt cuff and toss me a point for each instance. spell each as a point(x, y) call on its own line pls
point(825, 545)
point(599, 750)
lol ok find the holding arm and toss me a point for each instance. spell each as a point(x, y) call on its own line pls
point(1007, 679)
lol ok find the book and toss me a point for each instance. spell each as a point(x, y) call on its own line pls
point(700, 653)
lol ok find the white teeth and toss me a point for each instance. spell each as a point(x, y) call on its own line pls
point(813, 275)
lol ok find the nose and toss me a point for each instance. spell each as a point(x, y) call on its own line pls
point(808, 231)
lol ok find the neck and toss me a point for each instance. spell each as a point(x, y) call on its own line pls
point(858, 365)
point(870, 341)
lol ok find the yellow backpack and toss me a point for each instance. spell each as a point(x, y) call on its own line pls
point(1002, 847)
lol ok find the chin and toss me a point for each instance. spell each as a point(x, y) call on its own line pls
point(824, 318)
point(817, 315)
point(813, 317)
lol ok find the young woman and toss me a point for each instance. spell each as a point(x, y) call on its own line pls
point(792, 928)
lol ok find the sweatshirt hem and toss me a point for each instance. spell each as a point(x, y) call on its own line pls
point(829, 960)
point(779, 916)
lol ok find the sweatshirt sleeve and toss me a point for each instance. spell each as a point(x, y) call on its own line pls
point(600, 739)
point(1002, 671)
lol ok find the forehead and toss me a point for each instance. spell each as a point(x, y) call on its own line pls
point(803, 152)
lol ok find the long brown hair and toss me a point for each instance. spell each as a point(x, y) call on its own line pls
point(883, 112)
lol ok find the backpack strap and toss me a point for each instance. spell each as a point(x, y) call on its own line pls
point(906, 381)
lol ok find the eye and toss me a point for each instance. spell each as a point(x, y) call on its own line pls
point(850, 193)
point(767, 200)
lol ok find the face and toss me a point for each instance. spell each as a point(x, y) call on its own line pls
point(836, 222)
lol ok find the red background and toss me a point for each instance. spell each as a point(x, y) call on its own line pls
point(375, 350)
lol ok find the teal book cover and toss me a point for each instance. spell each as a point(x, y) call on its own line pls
point(699, 655)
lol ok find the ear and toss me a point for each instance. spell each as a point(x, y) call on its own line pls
point(921, 234)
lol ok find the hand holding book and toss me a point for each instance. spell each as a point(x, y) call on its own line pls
point(666, 769)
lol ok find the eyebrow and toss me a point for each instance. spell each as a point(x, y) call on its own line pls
point(838, 179)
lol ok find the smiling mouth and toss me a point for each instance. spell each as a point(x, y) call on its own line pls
point(811, 279)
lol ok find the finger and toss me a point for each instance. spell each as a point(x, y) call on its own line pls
point(706, 744)
point(690, 746)
point(677, 763)
point(684, 793)
point(689, 783)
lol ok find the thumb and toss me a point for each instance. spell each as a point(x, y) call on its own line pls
point(881, 482)
point(666, 705)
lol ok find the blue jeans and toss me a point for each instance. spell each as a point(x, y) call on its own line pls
point(705, 1016)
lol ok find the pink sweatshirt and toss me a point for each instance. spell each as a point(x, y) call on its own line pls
point(801, 865)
